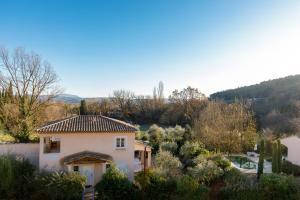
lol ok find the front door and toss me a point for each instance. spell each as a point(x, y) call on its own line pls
point(88, 172)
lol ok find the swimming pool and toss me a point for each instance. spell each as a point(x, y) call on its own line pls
point(243, 162)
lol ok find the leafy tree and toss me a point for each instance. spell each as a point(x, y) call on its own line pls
point(167, 165)
point(260, 169)
point(190, 150)
point(169, 146)
point(83, 107)
point(205, 171)
point(156, 135)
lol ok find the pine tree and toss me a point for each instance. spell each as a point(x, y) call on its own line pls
point(279, 155)
point(274, 158)
point(83, 108)
point(260, 169)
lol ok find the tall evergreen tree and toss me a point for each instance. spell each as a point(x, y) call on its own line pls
point(274, 158)
point(279, 155)
point(260, 169)
point(9, 93)
point(83, 107)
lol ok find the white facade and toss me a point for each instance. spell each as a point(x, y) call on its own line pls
point(293, 145)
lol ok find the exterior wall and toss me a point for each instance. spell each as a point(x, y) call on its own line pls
point(293, 145)
point(99, 170)
point(141, 147)
point(71, 143)
point(29, 151)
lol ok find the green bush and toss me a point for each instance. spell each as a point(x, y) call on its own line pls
point(58, 186)
point(114, 185)
point(290, 168)
point(169, 146)
point(191, 150)
point(278, 187)
point(189, 188)
point(239, 187)
point(155, 187)
point(220, 161)
point(167, 165)
point(20, 182)
point(205, 171)
point(15, 173)
point(269, 187)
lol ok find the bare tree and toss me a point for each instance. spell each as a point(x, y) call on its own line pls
point(160, 90)
point(124, 101)
point(230, 128)
point(34, 85)
point(187, 103)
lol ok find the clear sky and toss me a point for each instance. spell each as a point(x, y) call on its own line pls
point(100, 46)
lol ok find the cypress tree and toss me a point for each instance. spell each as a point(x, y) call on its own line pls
point(274, 158)
point(279, 155)
point(9, 93)
point(260, 169)
point(83, 108)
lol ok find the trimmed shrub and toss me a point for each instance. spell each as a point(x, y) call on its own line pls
point(114, 185)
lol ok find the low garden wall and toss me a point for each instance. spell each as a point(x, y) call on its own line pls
point(29, 151)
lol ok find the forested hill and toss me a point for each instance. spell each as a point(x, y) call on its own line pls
point(288, 87)
point(276, 103)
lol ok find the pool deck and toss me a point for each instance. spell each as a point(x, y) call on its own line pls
point(267, 165)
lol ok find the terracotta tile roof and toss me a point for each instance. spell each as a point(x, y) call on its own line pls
point(86, 123)
point(87, 155)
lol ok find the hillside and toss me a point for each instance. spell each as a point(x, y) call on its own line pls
point(68, 98)
point(275, 103)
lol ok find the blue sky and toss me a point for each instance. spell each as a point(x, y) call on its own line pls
point(100, 46)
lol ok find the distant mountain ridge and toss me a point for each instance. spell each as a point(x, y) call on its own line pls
point(70, 98)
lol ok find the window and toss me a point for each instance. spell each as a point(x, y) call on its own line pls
point(120, 142)
point(76, 168)
point(107, 166)
point(51, 145)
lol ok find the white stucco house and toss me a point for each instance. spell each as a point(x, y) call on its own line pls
point(293, 149)
point(89, 144)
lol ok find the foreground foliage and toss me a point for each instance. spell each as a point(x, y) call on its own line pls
point(19, 181)
point(270, 186)
point(115, 185)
